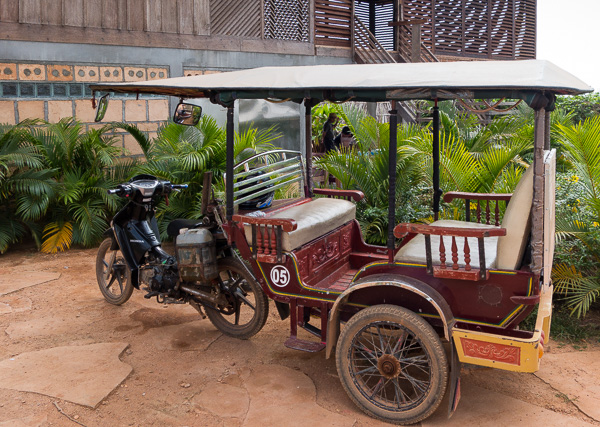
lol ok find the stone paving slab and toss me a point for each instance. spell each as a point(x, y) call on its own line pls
point(14, 304)
point(577, 375)
point(26, 421)
point(485, 408)
point(280, 396)
point(16, 280)
point(80, 374)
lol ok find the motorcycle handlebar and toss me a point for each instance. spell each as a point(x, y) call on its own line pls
point(113, 191)
point(179, 186)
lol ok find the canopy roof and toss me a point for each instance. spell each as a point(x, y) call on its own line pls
point(370, 82)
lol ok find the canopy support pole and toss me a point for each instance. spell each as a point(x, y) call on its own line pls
point(437, 193)
point(537, 211)
point(229, 160)
point(308, 131)
point(393, 158)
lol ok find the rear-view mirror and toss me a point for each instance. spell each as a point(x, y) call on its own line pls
point(187, 114)
point(101, 109)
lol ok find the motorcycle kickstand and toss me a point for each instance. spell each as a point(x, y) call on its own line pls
point(198, 308)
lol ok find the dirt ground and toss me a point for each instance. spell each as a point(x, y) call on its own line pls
point(183, 371)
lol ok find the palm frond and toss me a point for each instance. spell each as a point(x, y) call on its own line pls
point(57, 237)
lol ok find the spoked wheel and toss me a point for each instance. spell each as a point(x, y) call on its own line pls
point(112, 274)
point(392, 364)
point(247, 306)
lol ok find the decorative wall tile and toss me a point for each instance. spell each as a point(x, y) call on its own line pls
point(134, 74)
point(157, 73)
point(111, 74)
point(188, 73)
point(8, 71)
point(86, 73)
point(60, 73)
point(32, 72)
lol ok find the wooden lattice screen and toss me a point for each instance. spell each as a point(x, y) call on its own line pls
point(287, 19)
point(333, 22)
point(501, 29)
point(236, 18)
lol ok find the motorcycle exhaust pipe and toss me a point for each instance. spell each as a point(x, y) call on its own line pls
point(204, 296)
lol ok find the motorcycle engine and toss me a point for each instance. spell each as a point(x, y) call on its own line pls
point(160, 277)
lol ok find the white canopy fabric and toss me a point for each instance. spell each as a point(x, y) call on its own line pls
point(372, 81)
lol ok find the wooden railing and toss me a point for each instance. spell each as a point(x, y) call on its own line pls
point(411, 48)
point(367, 49)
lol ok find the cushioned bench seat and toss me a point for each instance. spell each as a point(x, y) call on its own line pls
point(505, 252)
point(414, 251)
point(314, 219)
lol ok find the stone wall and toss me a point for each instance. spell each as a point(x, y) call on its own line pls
point(52, 91)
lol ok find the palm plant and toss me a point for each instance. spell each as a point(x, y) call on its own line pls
point(182, 154)
point(25, 185)
point(83, 169)
point(574, 275)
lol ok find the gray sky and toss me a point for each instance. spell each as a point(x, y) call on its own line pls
point(568, 35)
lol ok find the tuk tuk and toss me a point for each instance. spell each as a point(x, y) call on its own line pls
point(401, 318)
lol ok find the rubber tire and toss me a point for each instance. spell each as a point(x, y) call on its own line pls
point(262, 305)
point(430, 343)
point(128, 286)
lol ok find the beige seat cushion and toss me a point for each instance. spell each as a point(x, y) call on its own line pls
point(414, 251)
point(315, 218)
point(517, 223)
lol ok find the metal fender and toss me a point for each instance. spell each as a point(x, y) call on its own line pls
point(110, 233)
point(403, 282)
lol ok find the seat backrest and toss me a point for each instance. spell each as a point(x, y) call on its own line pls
point(266, 172)
point(517, 222)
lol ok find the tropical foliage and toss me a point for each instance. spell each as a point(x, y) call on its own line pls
point(577, 274)
point(182, 154)
point(53, 183)
point(54, 177)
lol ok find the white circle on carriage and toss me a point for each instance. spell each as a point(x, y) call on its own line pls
point(280, 276)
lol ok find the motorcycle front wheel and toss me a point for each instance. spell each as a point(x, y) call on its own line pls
point(247, 305)
point(112, 274)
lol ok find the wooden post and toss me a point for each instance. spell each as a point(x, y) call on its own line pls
point(308, 131)
point(537, 211)
point(352, 29)
point(415, 43)
point(436, 160)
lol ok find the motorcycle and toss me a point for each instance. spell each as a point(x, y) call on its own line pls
point(204, 272)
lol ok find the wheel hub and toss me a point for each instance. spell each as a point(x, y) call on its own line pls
point(388, 366)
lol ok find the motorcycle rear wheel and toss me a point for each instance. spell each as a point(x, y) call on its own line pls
point(112, 274)
point(248, 304)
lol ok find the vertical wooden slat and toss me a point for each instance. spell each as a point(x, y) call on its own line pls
point(9, 11)
point(30, 11)
point(52, 12)
point(169, 16)
point(73, 13)
point(185, 16)
point(202, 20)
point(153, 18)
point(122, 14)
point(110, 14)
point(135, 15)
point(93, 13)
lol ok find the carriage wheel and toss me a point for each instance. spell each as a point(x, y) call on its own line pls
point(392, 364)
